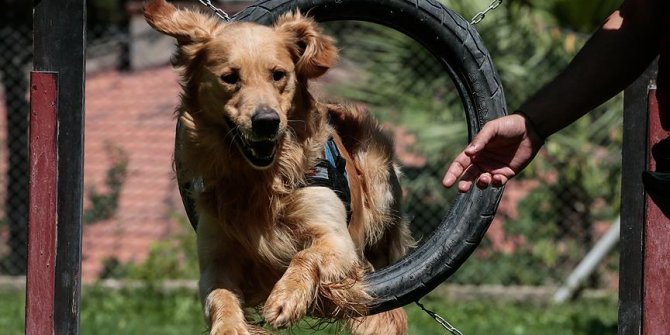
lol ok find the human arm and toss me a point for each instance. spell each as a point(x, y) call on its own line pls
point(613, 57)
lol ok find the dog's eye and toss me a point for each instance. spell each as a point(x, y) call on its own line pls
point(278, 75)
point(231, 78)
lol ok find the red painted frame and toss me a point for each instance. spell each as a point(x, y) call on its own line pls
point(59, 44)
point(656, 301)
point(42, 215)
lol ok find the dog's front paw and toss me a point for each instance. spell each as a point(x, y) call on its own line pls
point(287, 303)
point(225, 328)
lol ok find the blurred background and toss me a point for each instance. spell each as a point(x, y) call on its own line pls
point(135, 229)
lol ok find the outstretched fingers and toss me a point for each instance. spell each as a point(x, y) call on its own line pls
point(468, 178)
point(456, 169)
point(500, 170)
point(481, 178)
point(489, 160)
point(476, 171)
point(462, 166)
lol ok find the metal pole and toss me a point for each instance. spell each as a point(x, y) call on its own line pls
point(59, 45)
point(589, 264)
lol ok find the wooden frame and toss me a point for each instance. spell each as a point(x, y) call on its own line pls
point(43, 200)
point(634, 155)
point(59, 45)
point(644, 271)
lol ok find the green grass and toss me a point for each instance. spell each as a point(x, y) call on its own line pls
point(12, 312)
point(151, 312)
point(585, 316)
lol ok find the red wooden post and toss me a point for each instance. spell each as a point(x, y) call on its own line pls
point(59, 42)
point(656, 304)
point(42, 204)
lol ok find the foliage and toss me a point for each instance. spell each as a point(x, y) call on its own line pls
point(147, 312)
point(522, 266)
point(582, 16)
point(140, 311)
point(104, 205)
point(174, 258)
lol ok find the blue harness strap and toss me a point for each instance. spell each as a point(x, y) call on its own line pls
point(331, 172)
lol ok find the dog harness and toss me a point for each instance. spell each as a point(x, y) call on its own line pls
point(330, 172)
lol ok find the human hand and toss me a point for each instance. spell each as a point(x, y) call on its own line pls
point(502, 149)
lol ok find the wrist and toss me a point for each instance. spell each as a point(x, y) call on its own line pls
point(531, 125)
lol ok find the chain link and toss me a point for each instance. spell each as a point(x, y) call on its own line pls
point(444, 323)
point(480, 16)
point(217, 11)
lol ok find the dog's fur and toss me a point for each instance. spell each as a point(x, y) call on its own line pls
point(264, 239)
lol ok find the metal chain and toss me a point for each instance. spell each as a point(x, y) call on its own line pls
point(217, 11)
point(480, 16)
point(444, 323)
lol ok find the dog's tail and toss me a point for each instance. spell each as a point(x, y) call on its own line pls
point(352, 123)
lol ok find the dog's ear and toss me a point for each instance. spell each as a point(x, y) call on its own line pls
point(313, 52)
point(188, 27)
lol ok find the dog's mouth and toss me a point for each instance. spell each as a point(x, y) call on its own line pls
point(259, 152)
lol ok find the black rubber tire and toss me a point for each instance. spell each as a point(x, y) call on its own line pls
point(457, 45)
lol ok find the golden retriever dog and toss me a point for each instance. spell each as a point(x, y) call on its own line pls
point(252, 131)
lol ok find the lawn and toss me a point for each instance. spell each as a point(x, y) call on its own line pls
point(150, 312)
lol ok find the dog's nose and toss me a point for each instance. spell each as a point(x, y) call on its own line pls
point(265, 122)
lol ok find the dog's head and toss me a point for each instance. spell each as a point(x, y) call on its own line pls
point(244, 77)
